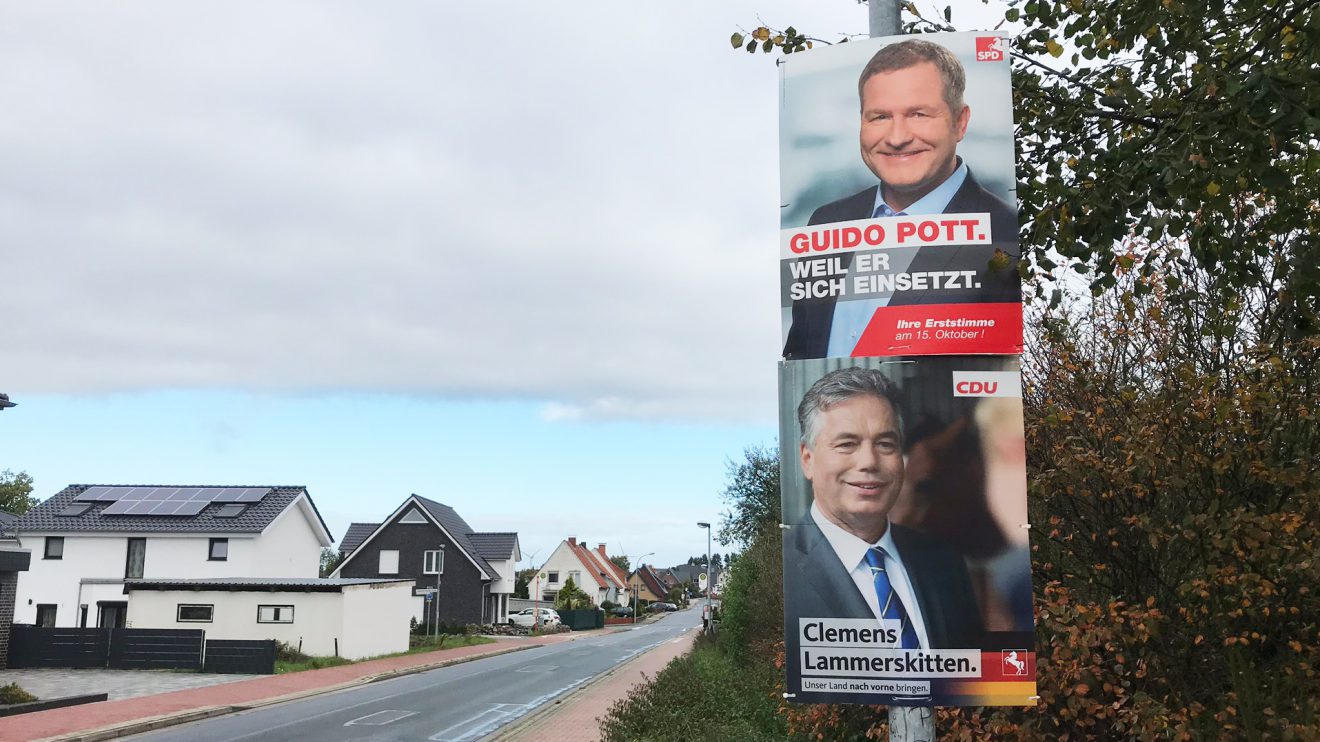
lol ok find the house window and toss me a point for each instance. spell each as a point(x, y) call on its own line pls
point(576, 577)
point(54, 547)
point(553, 578)
point(137, 558)
point(192, 613)
point(433, 562)
point(219, 551)
point(274, 614)
point(389, 562)
point(46, 615)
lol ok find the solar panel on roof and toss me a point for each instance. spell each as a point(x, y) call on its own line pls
point(92, 494)
point(252, 494)
point(190, 508)
point(168, 500)
point(77, 508)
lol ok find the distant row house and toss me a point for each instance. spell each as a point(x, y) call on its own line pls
point(647, 583)
point(590, 569)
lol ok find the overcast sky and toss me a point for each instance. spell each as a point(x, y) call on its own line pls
point(381, 248)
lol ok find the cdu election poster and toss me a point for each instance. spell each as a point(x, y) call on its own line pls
point(907, 571)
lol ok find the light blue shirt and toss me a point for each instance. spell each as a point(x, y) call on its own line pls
point(852, 552)
point(852, 317)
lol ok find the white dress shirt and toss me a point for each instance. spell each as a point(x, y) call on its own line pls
point(852, 317)
point(852, 553)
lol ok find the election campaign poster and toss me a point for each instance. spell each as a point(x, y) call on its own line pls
point(898, 223)
point(907, 572)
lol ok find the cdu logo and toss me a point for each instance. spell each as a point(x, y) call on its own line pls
point(987, 384)
point(989, 49)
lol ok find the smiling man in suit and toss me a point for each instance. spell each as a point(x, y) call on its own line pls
point(845, 559)
point(912, 118)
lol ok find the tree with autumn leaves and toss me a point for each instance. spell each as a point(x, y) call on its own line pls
point(1168, 183)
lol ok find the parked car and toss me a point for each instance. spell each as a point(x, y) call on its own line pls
point(623, 611)
point(527, 617)
point(662, 607)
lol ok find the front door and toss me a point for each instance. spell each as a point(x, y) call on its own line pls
point(110, 615)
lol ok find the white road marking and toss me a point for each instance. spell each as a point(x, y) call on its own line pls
point(388, 717)
point(538, 668)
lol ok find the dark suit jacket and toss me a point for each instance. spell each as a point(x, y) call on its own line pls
point(809, 335)
point(817, 585)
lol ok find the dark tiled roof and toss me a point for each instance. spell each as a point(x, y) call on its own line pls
point(7, 519)
point(260, 584)
point(43, 518)
point(458, 530)
point(494, 545)
point(689, 572)
point(356, 534)
point(652, 580)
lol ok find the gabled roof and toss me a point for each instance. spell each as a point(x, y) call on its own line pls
point(690, 572)
point(255, 518)
point(600, 574)
point(619, 573)
point(652, 581)
point(7, 519)
point(446, 518)
point(494, 545)
point(356, 534)
point(458, 530)
point(607, 569)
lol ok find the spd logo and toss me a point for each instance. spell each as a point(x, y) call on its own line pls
point(989, 49)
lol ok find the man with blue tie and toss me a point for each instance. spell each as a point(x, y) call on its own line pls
point(912, 119)
point(846, 559)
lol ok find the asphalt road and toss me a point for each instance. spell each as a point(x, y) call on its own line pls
point(461, 703)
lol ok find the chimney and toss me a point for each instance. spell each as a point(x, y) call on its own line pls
point(601, 549)
point(572, 540)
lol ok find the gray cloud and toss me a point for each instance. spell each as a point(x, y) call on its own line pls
point(571, 203)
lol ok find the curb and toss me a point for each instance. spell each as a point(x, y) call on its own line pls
point(548, 709)
point(152, 723)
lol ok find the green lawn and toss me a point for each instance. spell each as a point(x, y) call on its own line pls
point(290, 660)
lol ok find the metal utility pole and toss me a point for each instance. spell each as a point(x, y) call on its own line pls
point(710, 617)
point(884, 17)
point(906, 723)
point(435, 599)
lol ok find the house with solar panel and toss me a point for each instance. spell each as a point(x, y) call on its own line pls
point(460, 575)
point(88, 541)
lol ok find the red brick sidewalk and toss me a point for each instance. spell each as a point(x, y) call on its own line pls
point(109, 719)
point(577, 717)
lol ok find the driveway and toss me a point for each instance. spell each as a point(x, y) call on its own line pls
point(54, 683)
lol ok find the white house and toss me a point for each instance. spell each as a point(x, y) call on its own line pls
point(591, 570)
point(86, 540)
point(341, 618)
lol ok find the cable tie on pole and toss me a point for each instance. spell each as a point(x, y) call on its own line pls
point(1024, 525)
point(785, 526)
point(790, 695)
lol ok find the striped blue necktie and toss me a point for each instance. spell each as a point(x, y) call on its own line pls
point(891, 606)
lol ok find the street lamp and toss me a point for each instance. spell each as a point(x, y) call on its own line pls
point(634, 587)
point(435, 599)
point(709, 616)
